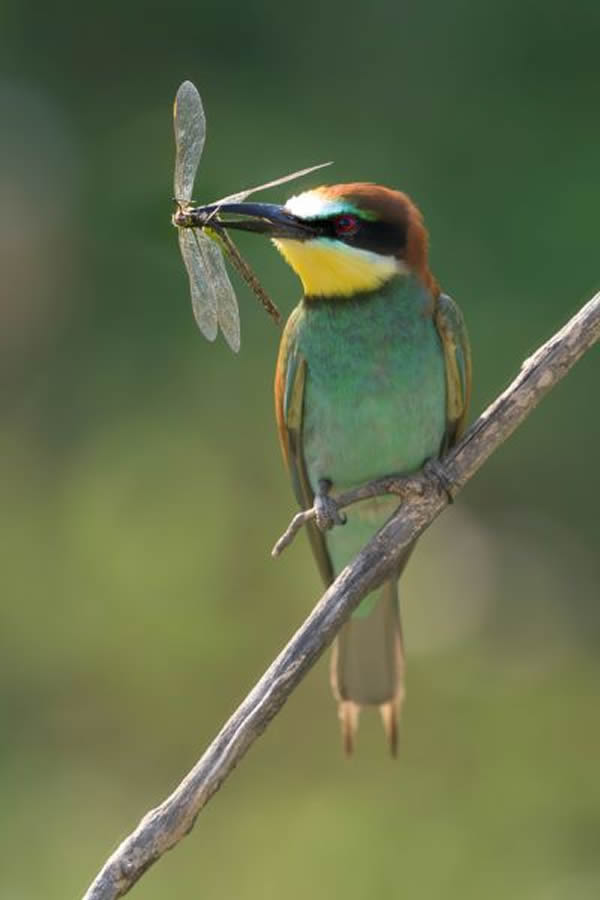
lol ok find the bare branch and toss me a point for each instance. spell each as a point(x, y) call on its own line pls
point(392, 484)
point(164, 826)
point(538, 375)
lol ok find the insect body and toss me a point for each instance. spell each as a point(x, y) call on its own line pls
point(202, 236)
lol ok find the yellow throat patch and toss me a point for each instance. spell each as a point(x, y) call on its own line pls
point(330, 268)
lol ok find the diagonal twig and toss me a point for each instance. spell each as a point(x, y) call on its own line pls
point(402, 487)
point(164, 826)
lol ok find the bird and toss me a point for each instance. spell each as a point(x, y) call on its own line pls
point(373, 378)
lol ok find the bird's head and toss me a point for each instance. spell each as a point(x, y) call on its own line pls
point(342, 239)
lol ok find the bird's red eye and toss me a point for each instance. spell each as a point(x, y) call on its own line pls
point(346, 225)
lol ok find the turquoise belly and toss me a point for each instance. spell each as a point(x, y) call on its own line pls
point(375, 392)
point(374, 401)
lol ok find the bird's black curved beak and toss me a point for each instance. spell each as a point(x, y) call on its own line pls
point(261, 218)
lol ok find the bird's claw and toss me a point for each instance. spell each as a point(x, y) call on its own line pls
point(434, 470)
point(327, 512)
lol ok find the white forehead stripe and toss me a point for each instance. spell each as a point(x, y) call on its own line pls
point(313, 205)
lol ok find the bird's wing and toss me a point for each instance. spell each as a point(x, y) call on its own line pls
point(457, 355)
point(290, 378)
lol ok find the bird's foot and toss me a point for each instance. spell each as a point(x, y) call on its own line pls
point(434, 470)
point(327, 512)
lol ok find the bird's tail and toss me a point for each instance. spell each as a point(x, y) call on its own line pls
point(367, 667)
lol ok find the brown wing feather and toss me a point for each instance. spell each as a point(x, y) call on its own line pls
point(290, 378)
point(457, 355)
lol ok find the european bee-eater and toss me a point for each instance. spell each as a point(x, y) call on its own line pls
point(373, 378)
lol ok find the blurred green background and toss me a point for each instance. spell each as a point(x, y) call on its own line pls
point(142, 487)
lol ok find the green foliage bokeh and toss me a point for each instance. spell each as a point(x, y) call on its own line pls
point(142, 487)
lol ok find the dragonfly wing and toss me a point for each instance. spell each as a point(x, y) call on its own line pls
point(227, 307)
point(202, 289)
point(242, 195)
point(190, 131)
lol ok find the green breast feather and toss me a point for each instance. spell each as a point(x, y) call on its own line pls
point(371, 387)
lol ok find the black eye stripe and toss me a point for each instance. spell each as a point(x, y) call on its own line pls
point(378, 237)
point(346, 224)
